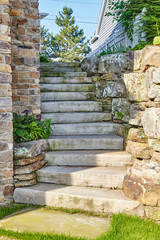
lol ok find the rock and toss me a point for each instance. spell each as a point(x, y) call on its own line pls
point(90, 65)
point(25, 177)
point(116, 63)
point(30, 149)
point(26, 183)
point(154, 92)
point(155, 144)
point(150, 57)
point(139, 150)
point(136, 113)
point(156, 156)
point(142, 183)
point(110, 89)
point(121, 109)
point(137, 60)
point(123, 130)
point(152, 213)
point(136, 87)
point(151, 122)
point(156, 40)
point(30, 168)
point(24, 162)
point(137, 134)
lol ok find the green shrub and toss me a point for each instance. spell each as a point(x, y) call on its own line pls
point(28, 129)
point(44, 59)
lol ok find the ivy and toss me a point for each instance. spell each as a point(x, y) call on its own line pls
point(126, 11)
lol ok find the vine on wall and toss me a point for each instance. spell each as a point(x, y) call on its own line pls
point(126, 11)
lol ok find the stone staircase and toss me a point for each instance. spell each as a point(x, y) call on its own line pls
point(86, 161)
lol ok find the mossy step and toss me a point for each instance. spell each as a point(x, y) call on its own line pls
point(71, 106)
point(63, 74)
point(60, 69)
point(67, 87)
point(85, 142)
point(85, 128)
point(89, 158)
point(77, 117)
point(84, 198)
point(48, 80)
point(60, 64)
point(104, 177)
point(67, 96)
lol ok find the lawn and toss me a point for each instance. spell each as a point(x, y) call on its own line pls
point(122, 227)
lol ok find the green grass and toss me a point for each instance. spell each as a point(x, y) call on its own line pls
point(9, 209)
point(122, 227)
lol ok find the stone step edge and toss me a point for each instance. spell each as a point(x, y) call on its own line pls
point(96, 204)
point(88, 158)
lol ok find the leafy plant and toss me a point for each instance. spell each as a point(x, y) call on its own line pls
point(44, 59)
point(126, 11)
point(114, 49)
point(28, 129)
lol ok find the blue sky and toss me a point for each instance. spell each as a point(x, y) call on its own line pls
point(83, 13)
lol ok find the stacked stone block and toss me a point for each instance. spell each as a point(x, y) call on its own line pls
point(28, 158)
point(131, 81)
point(6, 142)
point(25, 33)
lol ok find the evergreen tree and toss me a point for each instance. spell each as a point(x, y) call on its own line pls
point(48, 43)
point(70, 42)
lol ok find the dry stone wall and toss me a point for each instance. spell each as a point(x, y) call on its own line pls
point(6, 142)
point(25, 33)
point(131, 82)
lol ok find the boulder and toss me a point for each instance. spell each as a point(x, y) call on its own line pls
point(142, 183)
point(136, 86)
point(24, 162)
point(151, 122)
point(110, 89)
point(30, 149)
point(138, 135)
point(121, 109)
point(30, 168)
point(155, 144)
point(116, 63)
point(139, 150)
point(150, 57)
point(90, 65)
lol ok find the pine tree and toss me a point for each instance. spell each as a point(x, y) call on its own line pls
point(70, 42)
point(48, 43)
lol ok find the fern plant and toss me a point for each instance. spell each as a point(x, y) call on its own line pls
point(28, 129)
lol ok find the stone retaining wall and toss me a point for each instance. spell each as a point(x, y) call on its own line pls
point(28, 158)
point(25, 32)
point(6, 142)
point(131, 83)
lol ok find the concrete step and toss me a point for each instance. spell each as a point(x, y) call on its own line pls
point(67, 87)
point(71, 106)
point(89, 158)
point(49, 80)
point(67, 96)
point(104, 177)
point(87, 199)
point(85, 128)
point(88, 142)
point(63, 74)
point(60, 67)
point(77, 117)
